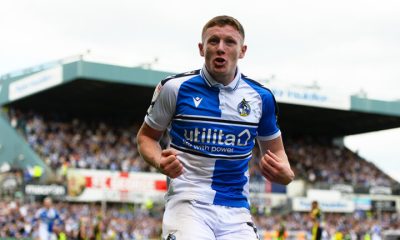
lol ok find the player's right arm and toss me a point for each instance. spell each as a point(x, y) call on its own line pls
point(165, 161)
point(158, 117)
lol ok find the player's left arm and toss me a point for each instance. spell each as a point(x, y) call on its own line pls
point(274, 163)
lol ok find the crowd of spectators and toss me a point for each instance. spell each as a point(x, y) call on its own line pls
point(128, 221)
point(319, 160)
point(80, 143)
point(83, 220)
point(100, 144)
point(353, 225)
point(62, 140)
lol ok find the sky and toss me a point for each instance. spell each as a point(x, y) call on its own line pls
point(344, 45)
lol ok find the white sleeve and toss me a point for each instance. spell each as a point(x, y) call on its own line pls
point(162, 107)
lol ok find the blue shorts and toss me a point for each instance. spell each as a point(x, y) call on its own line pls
point(201, 221)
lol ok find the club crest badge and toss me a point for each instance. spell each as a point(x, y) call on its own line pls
point(244, 108)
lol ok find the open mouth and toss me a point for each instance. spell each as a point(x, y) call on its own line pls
point(219, 61)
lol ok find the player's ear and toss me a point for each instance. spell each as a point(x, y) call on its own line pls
point(243, 51)
point(201, 49)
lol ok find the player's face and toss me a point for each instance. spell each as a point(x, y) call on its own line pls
point(222, 47)
point(47, 203)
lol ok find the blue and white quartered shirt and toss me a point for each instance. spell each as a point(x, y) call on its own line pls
point(214, 128)
point(47, 218)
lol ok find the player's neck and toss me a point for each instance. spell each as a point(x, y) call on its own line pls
point(224, 79)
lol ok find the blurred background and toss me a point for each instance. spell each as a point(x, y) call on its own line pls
point(76, 78)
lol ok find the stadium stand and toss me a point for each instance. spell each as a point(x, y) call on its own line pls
point(80, 143)
point(85, 116)
point(95, 144)
point(319, 161)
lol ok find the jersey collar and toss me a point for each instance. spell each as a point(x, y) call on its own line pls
point(211, 82)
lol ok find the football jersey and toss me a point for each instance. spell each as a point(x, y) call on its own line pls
point(214, 128)
point(47, 218)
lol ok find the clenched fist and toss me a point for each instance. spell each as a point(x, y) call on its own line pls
point(169, 163)
point(276, 169)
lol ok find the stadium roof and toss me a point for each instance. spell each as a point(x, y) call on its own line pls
point(97, 90)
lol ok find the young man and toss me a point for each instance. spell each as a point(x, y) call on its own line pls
point(47, 216)
point(316, 218)
point(213, 116)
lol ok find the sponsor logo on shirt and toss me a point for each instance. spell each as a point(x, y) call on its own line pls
point(217, 136)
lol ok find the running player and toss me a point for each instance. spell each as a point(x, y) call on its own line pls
point(213, 116)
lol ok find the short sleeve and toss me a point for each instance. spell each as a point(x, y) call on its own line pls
point(162, 107)
point(268, 128)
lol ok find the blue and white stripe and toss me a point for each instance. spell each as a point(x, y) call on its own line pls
point(214, 141)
